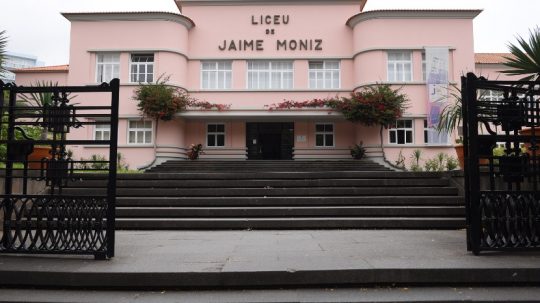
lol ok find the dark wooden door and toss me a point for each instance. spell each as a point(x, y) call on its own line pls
point(269, 140)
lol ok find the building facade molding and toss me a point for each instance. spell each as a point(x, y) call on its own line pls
point(139, 50)
point(395, 48)
point(130, 16)
point(411, 14)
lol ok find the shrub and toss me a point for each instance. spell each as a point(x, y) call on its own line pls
point(432, 165)
point(358, 151)
point(160, 100)
point(452, 163)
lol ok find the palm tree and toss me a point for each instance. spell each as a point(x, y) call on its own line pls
point(3, 45)
point(525, 59)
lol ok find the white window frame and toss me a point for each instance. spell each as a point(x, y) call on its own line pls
point(402, 63)
point(490, 95)
point(215, 134)
point(138, 64)
point(424, 66)
point(321, 74)
point(224, 77)
point(114, 71)
point(144, 130)
point(324, 133)
point(102, 128)
point(395, 129)
point(269, 71)
point(444, 136)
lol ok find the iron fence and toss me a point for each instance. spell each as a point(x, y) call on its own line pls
point(44, 135)
point(502, 169)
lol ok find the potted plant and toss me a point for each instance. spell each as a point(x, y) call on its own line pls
point(195, 150)
point(358, 151)
point(525, 61)
point(37, 102)
point(451, 118)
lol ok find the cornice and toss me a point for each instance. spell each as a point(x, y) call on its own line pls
point(130, 16)
point(181, 3)
point(412, 14)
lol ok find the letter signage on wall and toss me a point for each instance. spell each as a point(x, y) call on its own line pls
point(271, 22)
point(437, 82)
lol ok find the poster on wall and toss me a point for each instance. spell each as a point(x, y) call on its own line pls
point(437, 82)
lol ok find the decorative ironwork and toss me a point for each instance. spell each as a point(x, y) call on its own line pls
point(502, 196)
point(43, 210)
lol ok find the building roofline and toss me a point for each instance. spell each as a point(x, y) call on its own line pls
point(43, 69)
point(412, 14)
point(491, 58)
point(130, 16)
point(180, 3)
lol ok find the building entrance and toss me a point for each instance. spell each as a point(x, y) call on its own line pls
point(270, 140)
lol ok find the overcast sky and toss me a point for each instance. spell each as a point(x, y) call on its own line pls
point(36, 27)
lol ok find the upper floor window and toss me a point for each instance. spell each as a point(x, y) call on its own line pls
point(142, 68)
point(490, 95)
point(401, 132)
point(324, 134)
point(108, 67)
point(215, 135)
point(102, 132)
point(323, 74)
point(270, 74)
point(433, 136)
point(400, 66)
point(140, 132)
point(216, 74)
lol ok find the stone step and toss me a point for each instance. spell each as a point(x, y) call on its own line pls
point(291, 223)
point(261, 183)
point(293, 201)
point(268, 175)
point(265, 169)
point(365, 294)
point(166, 261)
point(291, 211)
point(258, 192)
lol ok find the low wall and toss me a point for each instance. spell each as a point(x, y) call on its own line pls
point(33, 187)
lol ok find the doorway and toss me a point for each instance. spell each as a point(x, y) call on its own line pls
point(270, 140)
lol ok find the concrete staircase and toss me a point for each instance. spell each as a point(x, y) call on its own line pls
point(282, 195)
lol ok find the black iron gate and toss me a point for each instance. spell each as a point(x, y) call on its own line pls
point(502, 171)
point(43, 208)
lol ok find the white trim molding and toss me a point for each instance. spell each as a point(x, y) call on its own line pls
point(139, 50)
point(130, 16)
point(412, 14)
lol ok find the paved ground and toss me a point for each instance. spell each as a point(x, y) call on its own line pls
point(264, 258)
point(328, 295)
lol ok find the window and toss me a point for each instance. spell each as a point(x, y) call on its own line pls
point(270, 74)
point(324, 135)
point(215, 136)
point(490, 95)
point(102, 132)
point(400, 66)
point(108, 66)
point(140, 132)
point(216, 74)
point(401, 132)
point(433, 136)
point(323, 74)
point(142, 68)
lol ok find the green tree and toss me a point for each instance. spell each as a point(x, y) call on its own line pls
point(525, 59)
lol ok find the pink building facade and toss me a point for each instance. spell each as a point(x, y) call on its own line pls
point(251, 54)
